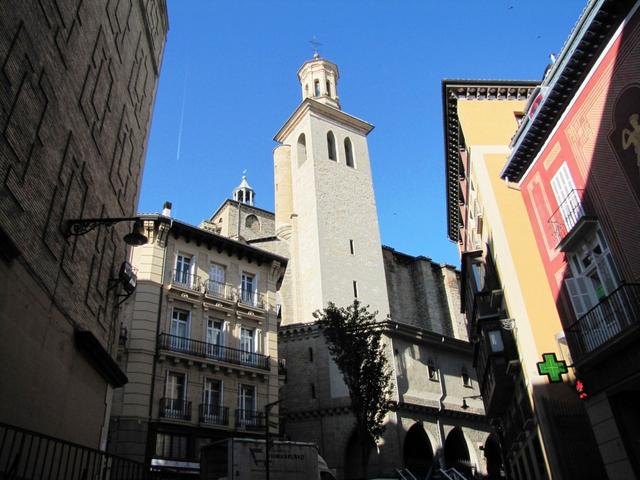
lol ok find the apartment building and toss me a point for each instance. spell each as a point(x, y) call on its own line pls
point(199, 344)
point(575, 160)
point(510, 309)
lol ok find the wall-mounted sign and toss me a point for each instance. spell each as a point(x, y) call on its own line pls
point(552, 367)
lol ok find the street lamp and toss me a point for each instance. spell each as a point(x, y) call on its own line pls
point(82, 226)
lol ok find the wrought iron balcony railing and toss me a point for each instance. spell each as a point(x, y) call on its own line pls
point(185, 279)
point(567, 215)
point(175, 408)
point(220, 290)
point(213, 352)
point(611, 317)
point(250, 419)
point(213, 414)
point(253, 299)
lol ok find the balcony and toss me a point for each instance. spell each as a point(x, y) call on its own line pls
point(175, 409)
point(571, 220)
point(226, 291)
point(213, 352)
point(250, 419)
point(605, 322)
point(214, 415)
point(184, 279)
point(252, 299)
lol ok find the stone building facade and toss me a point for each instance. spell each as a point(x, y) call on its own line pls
point(200, 347)
point(326, 224)
point(78, 82)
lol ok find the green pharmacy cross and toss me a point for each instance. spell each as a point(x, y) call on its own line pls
point(552, 367)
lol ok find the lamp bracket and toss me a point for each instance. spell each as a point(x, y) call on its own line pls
point(82, 226)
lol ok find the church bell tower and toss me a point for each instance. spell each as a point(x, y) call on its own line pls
point(325, 204)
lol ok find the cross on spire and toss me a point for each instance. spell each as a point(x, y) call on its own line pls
point(315, 44)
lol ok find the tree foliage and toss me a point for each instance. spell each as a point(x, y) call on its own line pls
point(354, 340)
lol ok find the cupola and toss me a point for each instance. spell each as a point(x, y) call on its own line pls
point(243, 193)
point(319, 81)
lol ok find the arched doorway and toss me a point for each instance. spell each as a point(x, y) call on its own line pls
point(456, 452)
point(353, 469)
point(495, 470)
point(417, 451)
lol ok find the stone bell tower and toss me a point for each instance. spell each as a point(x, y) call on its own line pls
point(325, 204)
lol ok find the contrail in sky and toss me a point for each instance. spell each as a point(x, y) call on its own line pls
point(184, 97)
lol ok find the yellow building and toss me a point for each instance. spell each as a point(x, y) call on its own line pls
point(511, 313)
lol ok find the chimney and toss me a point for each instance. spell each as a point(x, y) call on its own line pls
point(166, 210)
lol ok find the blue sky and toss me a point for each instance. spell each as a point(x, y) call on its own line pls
point(228, 82)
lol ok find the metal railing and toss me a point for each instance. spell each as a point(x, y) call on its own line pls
point(213, 352)
point(185, 279)
point(606, 320)
point(220, 290)
point(29, 455)
point(213, 414)
point(250, 419)
point(175, 408)
point(567, 215)
point(251, 298)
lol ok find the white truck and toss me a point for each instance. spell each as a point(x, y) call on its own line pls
point(246, 459)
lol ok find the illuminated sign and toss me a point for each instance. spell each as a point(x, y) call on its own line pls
point(552, 367)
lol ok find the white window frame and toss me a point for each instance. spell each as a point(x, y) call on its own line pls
point(179, 341)
point(180, 277)
point(569, 203)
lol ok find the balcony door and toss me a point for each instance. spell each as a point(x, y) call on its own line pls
point(247, 405)
point(212, 401)
point(594, 279)
point(217, 280)
point(175, 394)
point(248, 288)
point(214, 337)
point(180, 329)
point(569, 203)
point(184, 270)
point(247, 345)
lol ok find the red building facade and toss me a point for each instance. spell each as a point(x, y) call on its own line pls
point(576, 158)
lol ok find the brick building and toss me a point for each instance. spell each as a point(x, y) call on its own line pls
point(576, 160)
point(78, 82)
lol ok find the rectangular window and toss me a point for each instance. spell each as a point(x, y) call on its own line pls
point(310, 354)
point(569, 204)
point(248, 346)
point(184, 270)
point(212, 392)
point(175, 387)
point(247, 405)
point(355, 289)
point(214, 338)
point(351, 249)
point(313, 391)
point(171, 446)
point(495, 341)
point(247, 289)
point(217, 280)
point(179, 331)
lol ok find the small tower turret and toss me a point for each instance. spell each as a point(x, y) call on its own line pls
point(243, 193)
point(319, 80)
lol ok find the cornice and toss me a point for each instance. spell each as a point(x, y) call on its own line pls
point(452, 91)
point(310, 105)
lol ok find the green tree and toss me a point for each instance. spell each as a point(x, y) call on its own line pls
point(354, 339)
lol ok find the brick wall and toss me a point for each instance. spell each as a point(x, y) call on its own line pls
point(78, 84)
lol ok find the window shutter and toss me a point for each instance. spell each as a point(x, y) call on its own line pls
point(581, 294)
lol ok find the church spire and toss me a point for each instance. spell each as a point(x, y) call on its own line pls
point(319, 81)
point(243, 193)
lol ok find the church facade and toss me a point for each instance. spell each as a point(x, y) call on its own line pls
point(326, 224)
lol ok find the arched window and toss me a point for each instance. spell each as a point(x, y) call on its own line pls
point(331, 146)
point(348, 152)
point(252, 223)
point(328, 88)
point(316, 85)
point(306, 90)
point(302, 149)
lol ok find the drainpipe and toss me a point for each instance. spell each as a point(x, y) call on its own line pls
point(443, 394)
point(167, 213)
